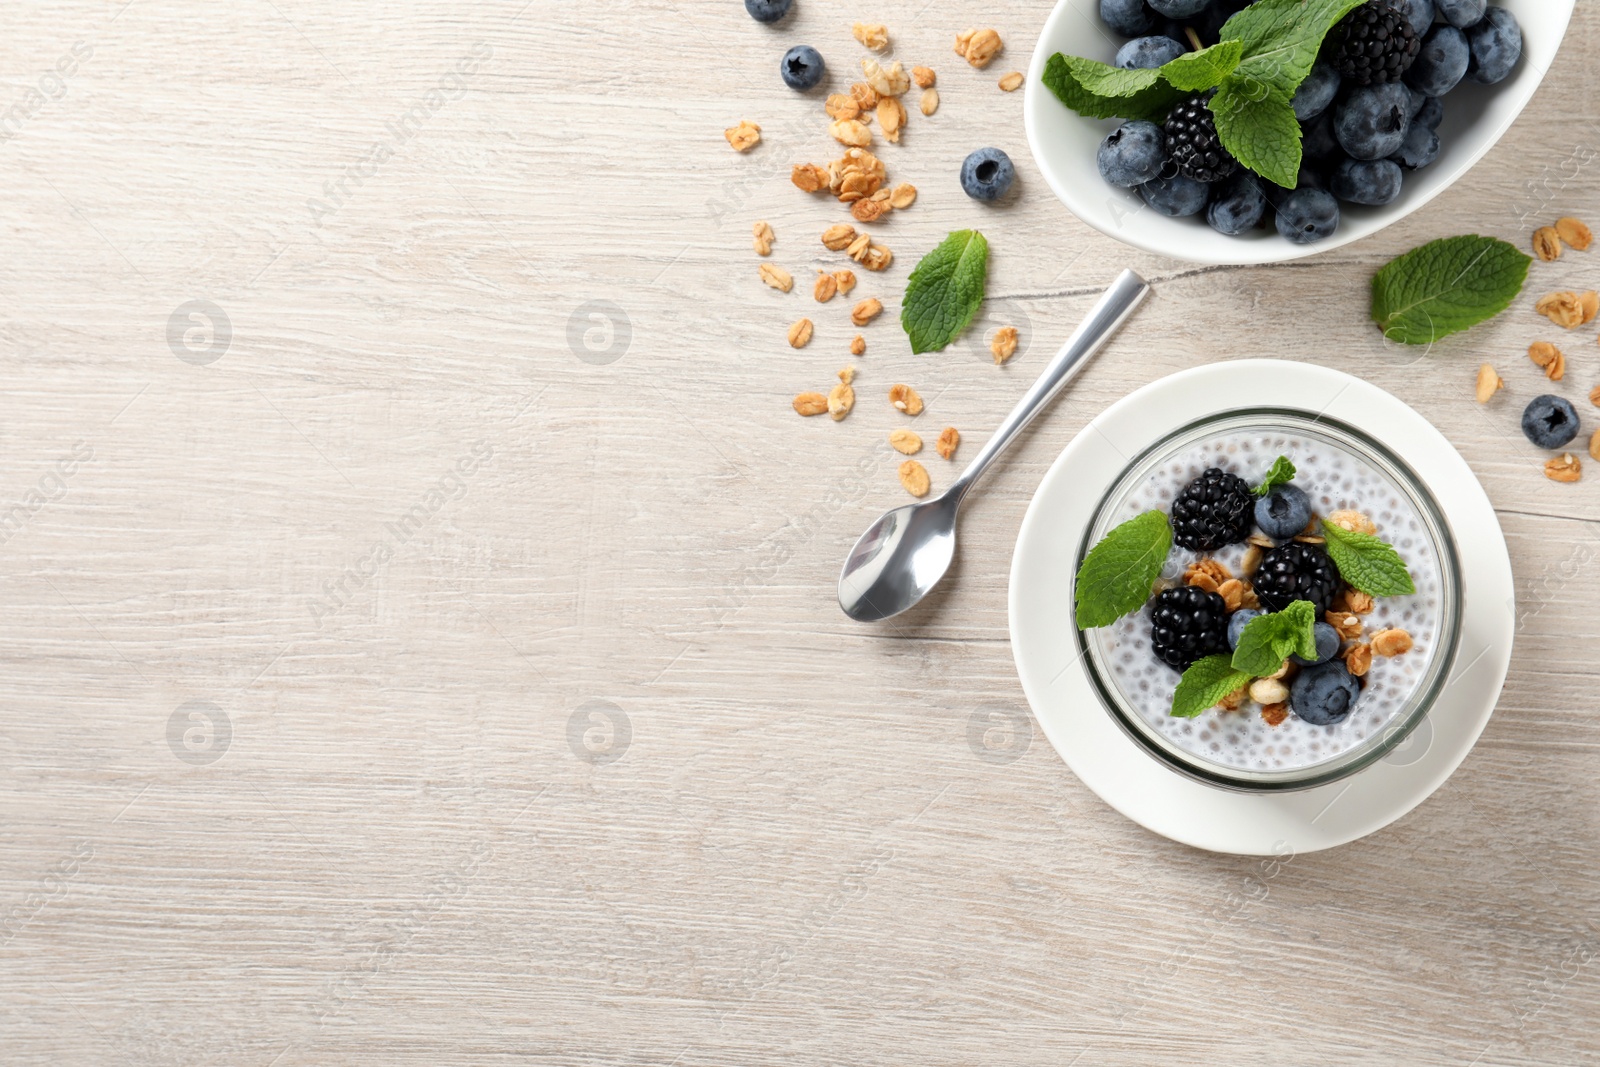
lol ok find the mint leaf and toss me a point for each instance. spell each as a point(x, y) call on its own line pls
point(1267, 640)
point(1367, 562)
point(1195, 72)
point(1446, 286)
point(1281, 39)
point(1116, 576)
point(1256, 124)
point(1282, 473)
point(1102, 79)
point(1204, 683)
point(1151, 103)
point(945, 290)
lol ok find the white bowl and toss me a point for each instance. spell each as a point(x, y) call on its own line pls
point(1064, 144)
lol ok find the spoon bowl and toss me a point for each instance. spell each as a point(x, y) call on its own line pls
point(907, 551)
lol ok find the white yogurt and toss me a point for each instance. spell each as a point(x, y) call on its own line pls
point(1333, 479)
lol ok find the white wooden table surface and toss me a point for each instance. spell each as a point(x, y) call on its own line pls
point(401, 666)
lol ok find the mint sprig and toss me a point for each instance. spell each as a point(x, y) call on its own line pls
point(1282, 473)
point(1267, 640)
point(1367, 562)
point(1205, 683)
point(1446, 286)
point(945, 290)
point(1265, 52)
point(1117, 574)
point(1102, 91)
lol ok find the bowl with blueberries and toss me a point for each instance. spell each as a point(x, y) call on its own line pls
point(1258, 131)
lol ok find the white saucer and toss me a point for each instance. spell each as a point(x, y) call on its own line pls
point(1132, 781)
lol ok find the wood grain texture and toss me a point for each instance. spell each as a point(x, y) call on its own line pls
point(401, 538)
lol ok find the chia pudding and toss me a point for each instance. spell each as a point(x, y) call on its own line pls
point(1276, 740)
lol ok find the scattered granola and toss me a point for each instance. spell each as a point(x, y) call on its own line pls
point(929, 102)
point(1575, 233)
point(851, 132)
point(1210, 568)
point(914, 477)
point(950, 439)
point(800, 333)
point(1261, 540)
point(1349, 626)
point(762, 238)
point(1232, 701)
point(903, 196)
point(1352, 520)
point(744, 136)
point(905, 441)
point(891, 117)
point(978, 47)
point(848, 375)
point(1274, 714)
point(841, 106)
point(924, 77)
point(1359, 660)
point(776, 277)
point(810, 404)
point(825, 288)
point(1594, 445)
point(885, 81)
point(1565, 467)
point(1594, 396)
point(904, 398)
point(1547, 357)
point(866, 96)
point(1547, 243)
point(841, 398)
point(856, 174)
point(1489, 383)
point(869, 210)
point(865, 311)
point(1252, 559)
point(858, 345)
point(1003, 345)
point(1568, 309)
point(808, 177)
point(1391, 642)
point(1011, 82)
point(838, 237)
point(1268, 691)
point(846, 279)
point(871, 35)
point(1232, 593)
point(876, 257)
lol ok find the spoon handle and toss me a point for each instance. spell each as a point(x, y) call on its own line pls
point(1102, 321)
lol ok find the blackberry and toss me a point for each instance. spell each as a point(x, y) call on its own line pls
point(1215, 509)
point(1187, 624)
point(1373, 45)
point(1192, 142)
point(1297, 571)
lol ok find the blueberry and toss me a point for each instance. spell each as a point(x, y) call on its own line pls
point(1417, 12)
point(1283, 512)
point(1431, 114)
point(1461, 13)
point(1372, 182)
point(1323, 695)
point(1237, 205)
point(1371, 122)
point(1131, 18)
point(1148, 52)
point(1328, 642)
point(1550, 421)
point(1420, 147)
point(1132, 154)
point(1316, 92)
point(1208, 26)
point(987, 173)
point(1441, 61)
point(1180, 9)
point(1496, 45)
point(802, 67)
point(1318, 142)
point(1307, 215)
point(767, 10)
point(1175, 196)
point(1236, 623)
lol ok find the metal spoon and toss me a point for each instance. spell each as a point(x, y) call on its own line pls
point(907, 551)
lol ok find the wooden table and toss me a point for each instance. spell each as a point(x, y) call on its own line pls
point(420, 644)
